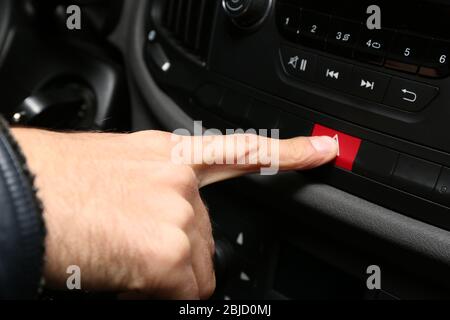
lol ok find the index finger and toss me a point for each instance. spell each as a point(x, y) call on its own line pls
point(220, 158)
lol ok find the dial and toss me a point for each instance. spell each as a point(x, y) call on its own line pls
point(247, 14)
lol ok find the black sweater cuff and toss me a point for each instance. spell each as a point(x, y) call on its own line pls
point(22, 230)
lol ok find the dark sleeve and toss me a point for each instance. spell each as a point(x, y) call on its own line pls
point(22, 230)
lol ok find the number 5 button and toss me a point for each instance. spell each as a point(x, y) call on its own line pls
point(407, 53)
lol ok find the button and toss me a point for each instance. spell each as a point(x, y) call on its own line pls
point(416, 176)
point(408, 49)
point(288, 18)
point(298, 63)
point(235, 6)
point(407, 53)
point(436, 62)
point(372, 46)
point(442, 189)
point(348, 146)
point(333, 73)
point(368, 84)
point(409, 95)
point(375, 162)
point(313, 29)
point(342, 36)
point(291, 126)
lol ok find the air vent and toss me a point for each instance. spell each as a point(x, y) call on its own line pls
point(190, 23)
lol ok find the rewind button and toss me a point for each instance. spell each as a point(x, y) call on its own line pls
point(333, 73)
point(368, 84)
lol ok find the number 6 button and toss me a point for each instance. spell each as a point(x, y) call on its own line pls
point(436, 62)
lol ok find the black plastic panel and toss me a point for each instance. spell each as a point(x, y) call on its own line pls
point(246, 84)
point(326, 222)
point(253, 60)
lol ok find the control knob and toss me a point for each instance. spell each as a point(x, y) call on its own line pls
point(247, 14)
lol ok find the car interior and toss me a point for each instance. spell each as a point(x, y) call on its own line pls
point(304, 67)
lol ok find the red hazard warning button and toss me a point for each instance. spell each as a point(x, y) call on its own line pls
point(348, 146)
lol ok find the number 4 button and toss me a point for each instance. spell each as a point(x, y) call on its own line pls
point(371, 46)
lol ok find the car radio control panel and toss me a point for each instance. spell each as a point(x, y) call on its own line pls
point(391, 48)
point(373, 86)
point(372, 74)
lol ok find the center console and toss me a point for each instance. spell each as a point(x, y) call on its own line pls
point(315, 68)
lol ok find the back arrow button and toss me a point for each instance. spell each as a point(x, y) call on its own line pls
point(409, 95)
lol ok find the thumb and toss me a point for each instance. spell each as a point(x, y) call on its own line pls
point(237, 155)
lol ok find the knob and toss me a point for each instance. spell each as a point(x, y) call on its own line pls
point(247, 14)
point(68, 106)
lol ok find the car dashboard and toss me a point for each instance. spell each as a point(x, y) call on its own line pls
point(315, 68)
point(373, 75)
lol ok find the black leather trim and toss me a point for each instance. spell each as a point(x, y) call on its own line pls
point(22, 229)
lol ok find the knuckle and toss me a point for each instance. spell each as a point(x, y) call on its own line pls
point(296, 150)
point(178, 254)
point(184, 215)
point(185, 175)
point(149, 141)
point(184, 180)
point(253, 145)
point(248, 145)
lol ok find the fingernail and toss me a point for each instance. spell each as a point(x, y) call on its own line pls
point(324, 144)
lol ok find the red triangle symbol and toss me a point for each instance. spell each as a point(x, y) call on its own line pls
point(336, 137)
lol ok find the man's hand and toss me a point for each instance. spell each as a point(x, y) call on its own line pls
point(133, 221)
